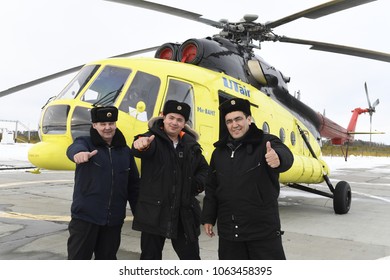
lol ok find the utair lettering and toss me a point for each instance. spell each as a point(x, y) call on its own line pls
point(236, 87)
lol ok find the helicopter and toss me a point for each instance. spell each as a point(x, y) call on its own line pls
point(203, 73)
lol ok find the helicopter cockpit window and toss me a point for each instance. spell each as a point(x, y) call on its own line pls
point(78, 82)
point(107, 86)
point(81, 122)
point(54, 119)
point(182, 92)
point(141, 96)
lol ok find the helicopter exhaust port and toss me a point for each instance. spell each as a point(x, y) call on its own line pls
point(191, 51)
point(167, 51)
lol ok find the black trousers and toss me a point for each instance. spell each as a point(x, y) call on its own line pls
point(87, 239)
point(270, 249)
point(152, 246)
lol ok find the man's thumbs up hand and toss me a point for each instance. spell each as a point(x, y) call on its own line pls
point(271, 156)
point(143, 143)
point(82, 157)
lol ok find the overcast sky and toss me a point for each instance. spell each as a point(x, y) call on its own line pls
point(41, 37)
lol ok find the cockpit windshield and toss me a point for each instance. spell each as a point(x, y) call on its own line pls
point(78, 82)
point(107, 86)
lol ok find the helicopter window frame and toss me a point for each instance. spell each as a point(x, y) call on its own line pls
point(144, 87)
point(55, 119)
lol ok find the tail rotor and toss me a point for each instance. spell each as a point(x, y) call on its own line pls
point(371, 108)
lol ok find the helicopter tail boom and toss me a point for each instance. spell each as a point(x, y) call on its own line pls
point(333, 131)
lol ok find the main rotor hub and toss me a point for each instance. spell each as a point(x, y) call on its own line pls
point(245, 31)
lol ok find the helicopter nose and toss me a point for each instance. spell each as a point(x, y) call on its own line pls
point(50, 155)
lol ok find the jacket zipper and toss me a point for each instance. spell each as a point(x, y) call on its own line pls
point(234, 150)
point(174, 197)
point(112, 186)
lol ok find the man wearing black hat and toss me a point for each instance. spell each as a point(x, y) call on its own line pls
point(173, 172)
point(242, 189)
point(106, 178)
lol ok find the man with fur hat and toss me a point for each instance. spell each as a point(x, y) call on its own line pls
point(243, 187)
point(173, 172)
point(106, 178)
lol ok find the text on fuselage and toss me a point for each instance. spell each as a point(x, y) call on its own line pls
point(230, 84)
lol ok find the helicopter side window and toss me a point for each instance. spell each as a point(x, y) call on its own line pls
point(107, 86)
point(265, 127)
point(293, 138)
point(141, 96)
point(78, 82)
point(81, 122)
point(282, 134)
point(182, 92)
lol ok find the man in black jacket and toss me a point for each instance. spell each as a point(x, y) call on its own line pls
point(243, 187)
point(106, 178)
point(173, 172)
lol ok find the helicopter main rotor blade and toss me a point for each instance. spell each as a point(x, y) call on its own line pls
point(63, 73)
point(136, 52)
point(327, 47)
point(39, 81)
point(319, 11)
point(169, 10)
point(313, 13)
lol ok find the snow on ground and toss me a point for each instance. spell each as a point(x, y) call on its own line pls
point(10, 153)
point(353, 162)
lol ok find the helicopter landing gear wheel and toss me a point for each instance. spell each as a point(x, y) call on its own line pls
point(342, 198)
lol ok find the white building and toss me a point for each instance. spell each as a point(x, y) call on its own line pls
point(7, 137)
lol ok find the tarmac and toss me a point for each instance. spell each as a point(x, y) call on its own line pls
point(35, 211)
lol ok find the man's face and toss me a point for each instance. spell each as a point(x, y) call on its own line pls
point(237, 124)
point(106, 130)
point(173, 124)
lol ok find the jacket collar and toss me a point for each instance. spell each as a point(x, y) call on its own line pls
point(253, 136)
point(118, 140)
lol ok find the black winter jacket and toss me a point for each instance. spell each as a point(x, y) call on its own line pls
point(170, 180)
point(242, 190)
point(105, 183)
